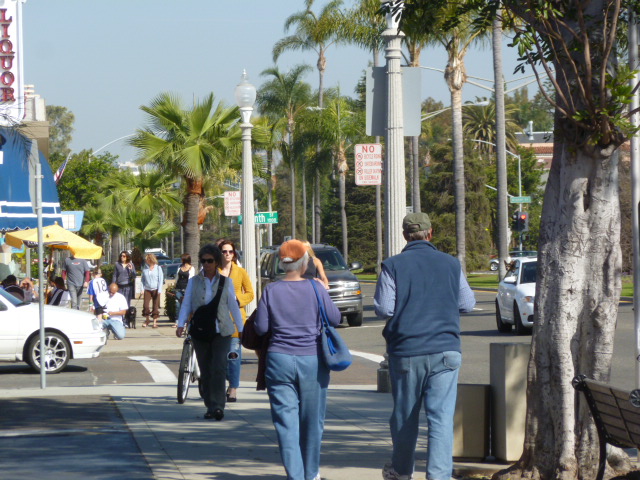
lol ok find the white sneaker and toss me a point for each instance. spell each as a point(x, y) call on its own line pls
point(388, 473)
point(317, 477)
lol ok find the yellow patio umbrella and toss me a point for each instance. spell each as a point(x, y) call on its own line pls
point(56, 237)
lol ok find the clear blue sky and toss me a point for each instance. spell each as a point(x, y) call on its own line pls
point(103, 59)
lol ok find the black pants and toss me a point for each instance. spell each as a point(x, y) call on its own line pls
point(212, 360)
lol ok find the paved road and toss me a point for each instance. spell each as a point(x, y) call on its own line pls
point(117, 365)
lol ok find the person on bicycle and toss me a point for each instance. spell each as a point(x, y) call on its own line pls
point(212, 355)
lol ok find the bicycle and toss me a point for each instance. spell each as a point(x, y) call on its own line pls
point(189, 370)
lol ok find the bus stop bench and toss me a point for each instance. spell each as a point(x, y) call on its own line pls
point(616, 414)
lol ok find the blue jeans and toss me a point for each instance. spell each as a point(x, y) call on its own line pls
point(297, 386)
point(233, 364)
point(76, 295)
point(179, 297)
point(115, 326)
point(431, 380)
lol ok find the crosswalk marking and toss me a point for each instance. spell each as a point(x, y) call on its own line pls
point(368, 356)
point(158, 370)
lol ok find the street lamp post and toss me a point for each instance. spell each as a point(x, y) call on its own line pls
point(245, 94)
point(394, 173)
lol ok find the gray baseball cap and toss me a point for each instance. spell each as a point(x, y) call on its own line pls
point(416, 222)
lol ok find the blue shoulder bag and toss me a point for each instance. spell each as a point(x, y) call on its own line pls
point(335, 352)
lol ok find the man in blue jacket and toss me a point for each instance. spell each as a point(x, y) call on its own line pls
point(421, 293)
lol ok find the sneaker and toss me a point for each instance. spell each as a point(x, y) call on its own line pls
point(388, 473)
point(317, 477)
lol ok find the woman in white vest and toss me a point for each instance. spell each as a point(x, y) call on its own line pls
point(221, 307)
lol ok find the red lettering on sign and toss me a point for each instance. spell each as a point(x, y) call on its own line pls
point(7, 79)
point(7, 95)
point(6, 62)
point(3, 16)
point(6, 46)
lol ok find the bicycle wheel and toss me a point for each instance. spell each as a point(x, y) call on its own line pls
point(184, 373)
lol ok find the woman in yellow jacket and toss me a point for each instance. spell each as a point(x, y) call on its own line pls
point(244, 294)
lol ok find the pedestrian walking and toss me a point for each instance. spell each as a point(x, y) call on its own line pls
point(152, 281)
point(421, 293)
point(210, 297)
point(76, 273)
point(98, 292)
point(124, 275)
point(244, 293)
point(185, 272)
point(296, 375)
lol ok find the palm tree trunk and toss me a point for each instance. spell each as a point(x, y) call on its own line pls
point(190, 219)
point(293, 200)
point(318, 210)
point(343, 216)
point(455, 76)
point(270, 195)
point(304, 201)
point(115, 246)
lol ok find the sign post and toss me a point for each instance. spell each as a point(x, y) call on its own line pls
point(232, 203)
point(368, 160)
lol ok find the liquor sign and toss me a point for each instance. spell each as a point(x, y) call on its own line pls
point(232, 203)
point(12, 101)
point(368, 164)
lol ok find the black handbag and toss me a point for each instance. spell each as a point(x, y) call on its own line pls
point(203, 321)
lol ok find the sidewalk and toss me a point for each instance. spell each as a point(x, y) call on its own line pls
point(139, 431)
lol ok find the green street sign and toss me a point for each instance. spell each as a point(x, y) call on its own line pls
point(519, 199)
point(261, 218)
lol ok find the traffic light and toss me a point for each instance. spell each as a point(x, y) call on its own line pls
point(520, 222)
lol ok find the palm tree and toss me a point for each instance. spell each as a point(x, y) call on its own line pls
point(189, 144)
point(282, 99)
point(338, 130)
point(480, 124)
point(315, 32)
point(96, 224)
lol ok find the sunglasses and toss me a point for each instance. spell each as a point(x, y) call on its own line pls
point(207, 260)
point(227, 251)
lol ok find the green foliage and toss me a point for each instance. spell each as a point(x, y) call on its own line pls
point(60, 129)
point(77, 188)
point(438, 201)
point(170, 309)
point(107, 271)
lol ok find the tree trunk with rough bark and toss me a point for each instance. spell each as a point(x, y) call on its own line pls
point(577, 294)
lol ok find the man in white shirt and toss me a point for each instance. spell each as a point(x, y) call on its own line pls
point(115, 308)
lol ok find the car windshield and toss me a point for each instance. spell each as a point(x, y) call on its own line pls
point(11, 299)
point(529, 272)
point(331, 260)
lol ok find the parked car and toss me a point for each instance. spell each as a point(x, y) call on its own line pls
point(170, 270)
point(493, 265)
point(516, 295)
point(69, 334)
point(344, 287)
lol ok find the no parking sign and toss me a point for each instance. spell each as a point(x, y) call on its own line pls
point(368, 157)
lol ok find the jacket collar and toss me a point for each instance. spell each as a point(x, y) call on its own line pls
point(418, 244)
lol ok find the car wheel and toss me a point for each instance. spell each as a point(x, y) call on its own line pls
point(493, 266)
point(520, 328)
point(502, 326)
point(56, 352)
point(354, 319)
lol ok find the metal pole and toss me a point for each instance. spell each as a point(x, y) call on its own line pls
point(395, 182)
point(248, 218)
point(43, 371)
point(635, 183)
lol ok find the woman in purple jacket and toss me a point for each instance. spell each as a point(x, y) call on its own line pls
point(297, 378)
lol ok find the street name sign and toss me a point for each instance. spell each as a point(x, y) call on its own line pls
point(261, 218)
point(519, 199)
point(368, 159)
point(232, 203)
